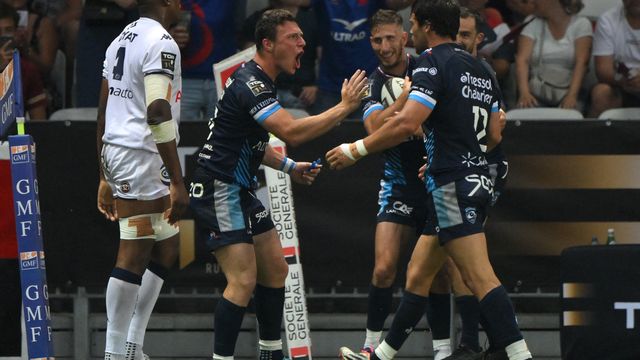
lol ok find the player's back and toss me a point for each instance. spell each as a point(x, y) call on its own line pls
point(144, 47)
point(462, 95)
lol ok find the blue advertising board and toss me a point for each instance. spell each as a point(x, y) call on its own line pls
point(11, 103)
point(33, 275)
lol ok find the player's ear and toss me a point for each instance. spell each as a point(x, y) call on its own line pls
point(267, 45)
point(479, 38)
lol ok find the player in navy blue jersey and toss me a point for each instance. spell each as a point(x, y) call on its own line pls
point(455, 100)
point(402, 198)
point(244, 240)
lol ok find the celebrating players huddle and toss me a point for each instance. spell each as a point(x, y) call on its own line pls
point(447, 109)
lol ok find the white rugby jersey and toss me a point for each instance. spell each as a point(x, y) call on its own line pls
point(144, 47)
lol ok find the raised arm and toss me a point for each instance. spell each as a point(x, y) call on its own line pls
point(297, 131)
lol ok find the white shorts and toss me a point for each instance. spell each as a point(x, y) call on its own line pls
point(134, 174)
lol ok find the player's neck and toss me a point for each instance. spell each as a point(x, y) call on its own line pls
point(436, 40)
point(154, 14)
point(399, 69)
point(269, 67)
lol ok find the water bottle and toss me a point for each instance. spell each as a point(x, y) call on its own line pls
point(611, 237)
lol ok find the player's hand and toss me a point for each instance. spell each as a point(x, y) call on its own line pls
point(341, 156)
point(305, 173)
point(179, 203)
point(181, 35)
point(352, 90)
point(527, 101)
point(406, 87)
point(569, 102)
point(308, 95)
point(503, 119)
point(106, 204)
point(422, 171)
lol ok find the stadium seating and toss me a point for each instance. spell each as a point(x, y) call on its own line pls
point(621, 114)
point(544, 114)
point(73, 114)
point(594, 8)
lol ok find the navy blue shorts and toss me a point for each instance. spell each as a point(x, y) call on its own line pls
point(231, 213)
point(402, 204)
point(459, 207)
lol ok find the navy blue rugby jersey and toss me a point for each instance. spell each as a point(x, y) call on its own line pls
point(495, 155)
point(402, 161)
point(236, 144)
point(462, 95)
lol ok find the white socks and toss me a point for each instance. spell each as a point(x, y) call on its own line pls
point(218, 357)
point(147, 296)
point(385, 352)
point(121, 300)
point(372, 339)
point(518, 351)
point(441, 349)
point(270, 345)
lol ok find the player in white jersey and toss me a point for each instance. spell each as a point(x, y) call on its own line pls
point(141, 182)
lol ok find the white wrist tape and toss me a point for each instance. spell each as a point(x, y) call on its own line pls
point(164, 132)
point(156, 86)
point(346, 149)
point(287, 165)
point(361, 149)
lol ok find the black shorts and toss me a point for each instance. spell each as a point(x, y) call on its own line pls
point(459, 207)
point(402, 204)
point(230, 213)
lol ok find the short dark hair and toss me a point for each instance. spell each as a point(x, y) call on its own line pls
point(466, 13)
point(572, 7)
point(442, 15)
point(385, 17)
point(266, 27)
point(8, 12)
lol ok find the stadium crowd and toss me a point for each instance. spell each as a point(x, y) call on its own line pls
point(544, 52)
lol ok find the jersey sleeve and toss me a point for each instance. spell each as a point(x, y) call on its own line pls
point(427, 85)
point(604, 37)
point(162, 57)
point(259, 98)
point(372, 102)
point(105, 68)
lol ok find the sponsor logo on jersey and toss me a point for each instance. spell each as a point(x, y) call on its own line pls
point(350, 25)
point(128, 35)
point(166, 37)
point(125, 187)
point(123, 93)
point(164, 176)
point(257, 87)
point(168, 60)
point(429, 70)
point(471, 214)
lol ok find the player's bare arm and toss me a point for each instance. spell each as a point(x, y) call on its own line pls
point(162, 128)
point(297, 131)
point(106, 203)
point(301, 172)
point(497, 123)
point(379, 117)
point(395, 130)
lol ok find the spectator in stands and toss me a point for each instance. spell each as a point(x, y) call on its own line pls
point(209, 37)
point(494, 27)
point(344, 38)
point(101, 21)
point(35, 100)
point(617, 56)
point(299, 90)
point(37, 37)
point(68, 23)
point(553, 55)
